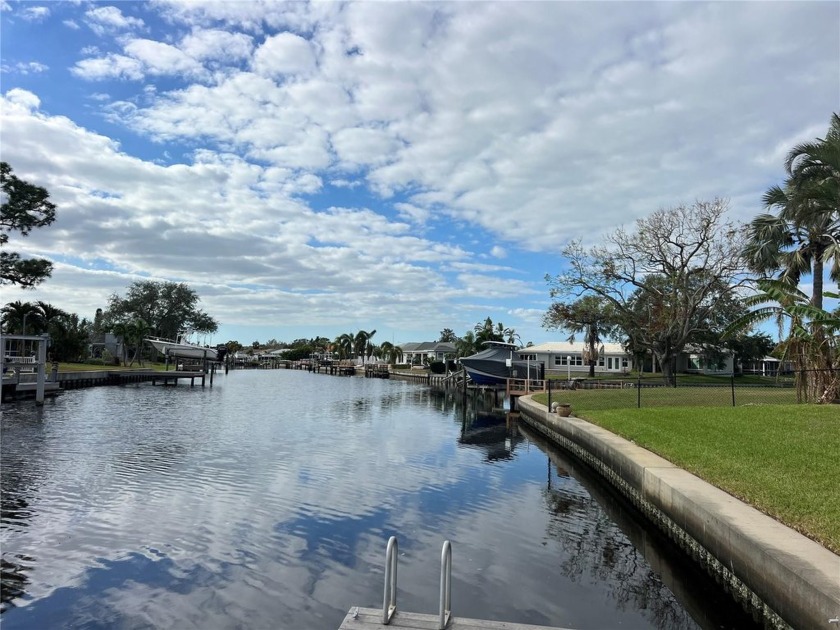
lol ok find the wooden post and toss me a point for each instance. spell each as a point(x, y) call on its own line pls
point(42, 362)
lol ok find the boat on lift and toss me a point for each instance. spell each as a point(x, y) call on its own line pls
point(182, 350)
point(497, 363)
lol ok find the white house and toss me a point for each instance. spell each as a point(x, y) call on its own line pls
point(564, 358)
point(417, 353)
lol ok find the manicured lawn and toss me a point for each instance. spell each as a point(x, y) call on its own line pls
point(783, 459)
point(699, 396)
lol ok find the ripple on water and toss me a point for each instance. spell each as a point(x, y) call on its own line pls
point(266, 501)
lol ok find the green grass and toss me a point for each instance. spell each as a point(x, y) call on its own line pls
point(783, 459)
point(628, 397)
point(87, 367)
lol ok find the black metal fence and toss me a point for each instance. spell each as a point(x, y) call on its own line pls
point(697, 390)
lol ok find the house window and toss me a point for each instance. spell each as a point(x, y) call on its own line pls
point(624, 363)
point(528, 357)
point(560, 361)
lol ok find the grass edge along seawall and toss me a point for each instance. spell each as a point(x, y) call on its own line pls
point(783, 575)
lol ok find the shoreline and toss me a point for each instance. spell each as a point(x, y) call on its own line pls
point(787, 578)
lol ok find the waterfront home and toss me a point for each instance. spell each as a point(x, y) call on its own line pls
point(427, 351)
point(564, 358)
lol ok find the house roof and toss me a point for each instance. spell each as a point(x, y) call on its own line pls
point(428, 346)
point(564, 347)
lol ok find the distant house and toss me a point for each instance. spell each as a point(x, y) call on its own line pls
point(565, 358)
point(694, 361)
point(768, 366)
point(427, 351)
point(106, 343)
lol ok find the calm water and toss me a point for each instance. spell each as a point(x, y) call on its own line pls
point(267, 500)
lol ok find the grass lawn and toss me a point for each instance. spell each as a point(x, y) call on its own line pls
point(85, 367)
point(783, 459)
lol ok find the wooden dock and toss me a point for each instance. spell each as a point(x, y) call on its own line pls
point(371, 619)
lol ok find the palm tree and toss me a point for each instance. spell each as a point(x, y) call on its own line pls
point(344, 344)
point(360, 342)
point(390, 352)
point(805, 234)
point(50, 316)
point(812, 349)
point(511, 336)
point(14, 315)
point(466, 345)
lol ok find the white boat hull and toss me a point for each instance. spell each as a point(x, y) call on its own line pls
point(182, 350)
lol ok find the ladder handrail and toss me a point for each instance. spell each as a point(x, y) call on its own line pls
point(445, 585)
point(389, 600)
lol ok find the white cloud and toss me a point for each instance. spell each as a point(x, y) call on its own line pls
point(106, 20)
point(22, 100)
point(284, 54)
point(31, 67)
point(162, 59)
point(35, 14)
point(109, 67)
point(217, 44)
point(443, 128)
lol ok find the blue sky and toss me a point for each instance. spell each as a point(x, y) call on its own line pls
point(319, 168)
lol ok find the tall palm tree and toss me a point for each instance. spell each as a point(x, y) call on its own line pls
point(360, 342)
point(804, 235)
point(344, 345)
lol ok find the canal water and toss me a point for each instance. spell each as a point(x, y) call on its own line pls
point(267, 501)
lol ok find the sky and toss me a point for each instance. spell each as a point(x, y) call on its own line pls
point(311, 169)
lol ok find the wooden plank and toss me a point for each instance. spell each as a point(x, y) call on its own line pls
point(371, 618)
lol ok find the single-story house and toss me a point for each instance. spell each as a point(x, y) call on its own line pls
point(565, 358)
point(418, 353)
point(768, 366)
point(693, 361)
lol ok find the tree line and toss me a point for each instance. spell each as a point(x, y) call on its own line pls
point(148, 309)
point(686, 277)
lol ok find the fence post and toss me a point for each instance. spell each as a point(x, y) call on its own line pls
point(548, 383)
point(639, 391)
point(732, 378)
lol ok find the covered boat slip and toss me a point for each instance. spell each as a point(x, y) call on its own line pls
point(496, 364)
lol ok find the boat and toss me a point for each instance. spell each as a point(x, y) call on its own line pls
point(496, 363)
point(183, 350)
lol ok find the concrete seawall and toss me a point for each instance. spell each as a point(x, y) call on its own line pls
point(787, 578)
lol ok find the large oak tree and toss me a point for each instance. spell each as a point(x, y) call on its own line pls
point(167, 308)
point(664, 279)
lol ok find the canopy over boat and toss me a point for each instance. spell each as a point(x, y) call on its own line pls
point(490, 366)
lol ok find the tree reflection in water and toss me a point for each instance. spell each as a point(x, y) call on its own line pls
point(604, 538)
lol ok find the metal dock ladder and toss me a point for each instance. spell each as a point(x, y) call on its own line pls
point(372, 618)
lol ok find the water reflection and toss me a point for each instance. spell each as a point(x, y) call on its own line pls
point(604, 538)
point(267, 501)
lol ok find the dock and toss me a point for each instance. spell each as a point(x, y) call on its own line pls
point(371, 619)
point(359, 618)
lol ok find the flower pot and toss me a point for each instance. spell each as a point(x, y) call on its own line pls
point(564, 410)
